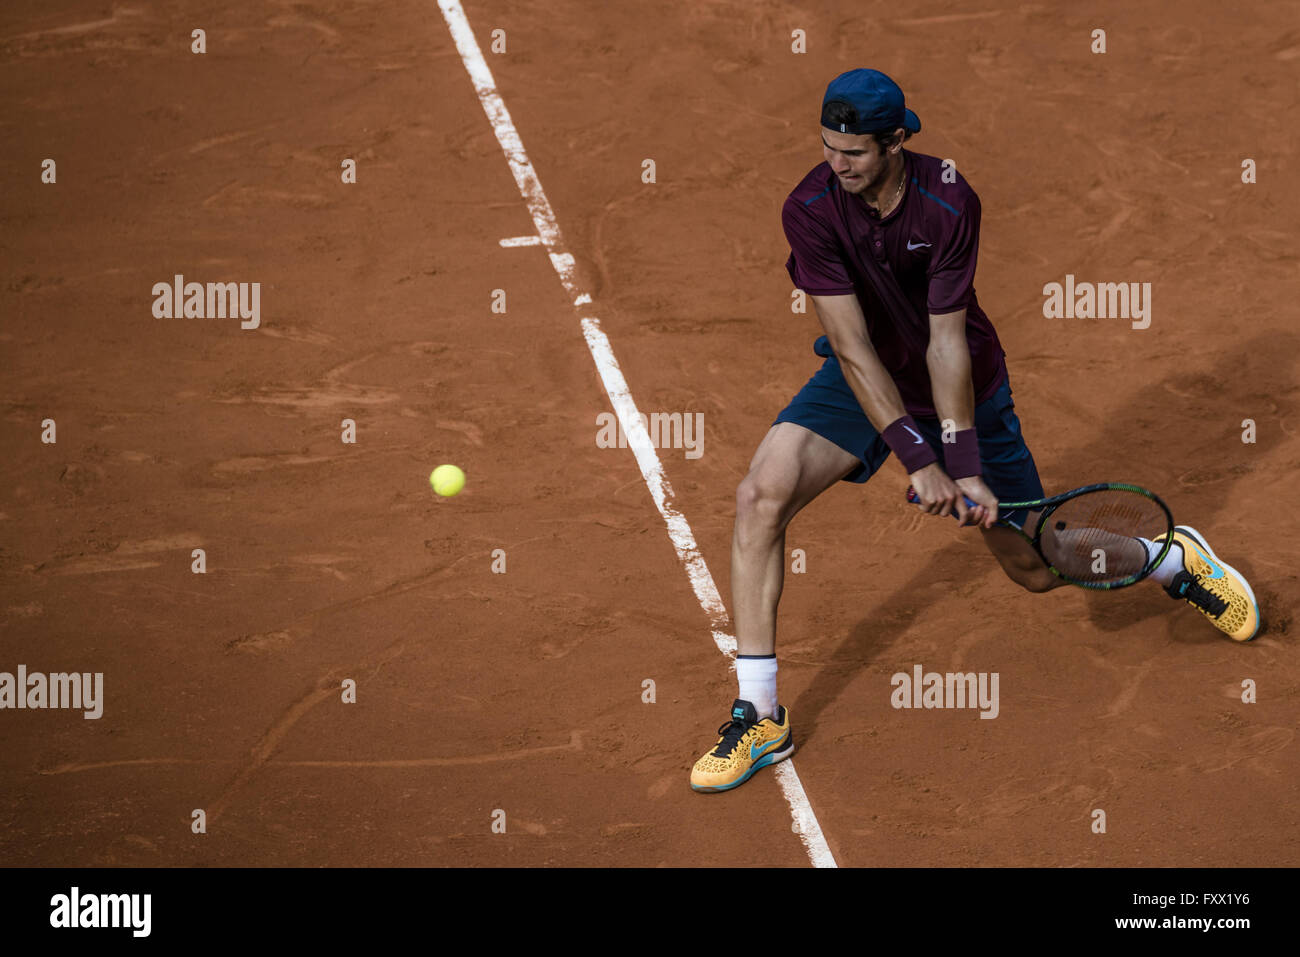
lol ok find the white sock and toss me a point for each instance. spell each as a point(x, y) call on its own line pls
point(757, 676)
point(1173, 562)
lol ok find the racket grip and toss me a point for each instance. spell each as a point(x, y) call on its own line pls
point(916, 500)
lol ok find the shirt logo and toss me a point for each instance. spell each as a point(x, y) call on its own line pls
point(911, 246)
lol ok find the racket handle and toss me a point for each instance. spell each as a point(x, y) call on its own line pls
point(916, 500)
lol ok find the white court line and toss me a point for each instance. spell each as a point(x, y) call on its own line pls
point(521, 241)
point(530, 187)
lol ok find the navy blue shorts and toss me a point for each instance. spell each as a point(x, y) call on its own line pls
point(827, 406)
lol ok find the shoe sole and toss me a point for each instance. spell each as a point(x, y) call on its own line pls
point(1196, 536)
point(772, 757)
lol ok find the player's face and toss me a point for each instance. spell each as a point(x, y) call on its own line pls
point(856, 159)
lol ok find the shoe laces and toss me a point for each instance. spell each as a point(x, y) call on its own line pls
point(733, 732)
point(1191, 589)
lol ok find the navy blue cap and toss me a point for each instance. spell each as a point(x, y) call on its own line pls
point(877, 100)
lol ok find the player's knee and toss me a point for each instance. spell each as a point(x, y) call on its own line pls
point(1038, 584)
point(761, 501)
point(1036, 578)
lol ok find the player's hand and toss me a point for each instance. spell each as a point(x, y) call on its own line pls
point(986, 511)
point(938, 493)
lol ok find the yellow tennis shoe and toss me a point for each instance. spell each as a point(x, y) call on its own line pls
point(1213, 587)
point(746, 745)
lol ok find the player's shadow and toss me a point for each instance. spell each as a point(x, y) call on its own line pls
point(1177, 434)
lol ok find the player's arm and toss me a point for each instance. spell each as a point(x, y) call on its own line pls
point(846, 329)
point(948, 361)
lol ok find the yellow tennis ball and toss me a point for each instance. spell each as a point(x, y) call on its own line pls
point(447, 479)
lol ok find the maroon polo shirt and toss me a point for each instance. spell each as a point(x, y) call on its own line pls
point(918, 260)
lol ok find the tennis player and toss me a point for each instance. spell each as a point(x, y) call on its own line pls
point(884, 241)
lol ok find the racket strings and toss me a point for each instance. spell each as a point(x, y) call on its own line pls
point(1100, 538)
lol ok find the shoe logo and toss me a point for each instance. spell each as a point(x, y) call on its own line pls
point(755, 750)
point(1217, 568)
point(919, 440)
point(917, 246)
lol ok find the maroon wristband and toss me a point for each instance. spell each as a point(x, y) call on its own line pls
point(961, 456)
point(905, 440)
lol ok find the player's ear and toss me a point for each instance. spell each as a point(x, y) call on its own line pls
point(896, 142)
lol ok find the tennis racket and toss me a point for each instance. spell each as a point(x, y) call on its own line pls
point(1095, 536)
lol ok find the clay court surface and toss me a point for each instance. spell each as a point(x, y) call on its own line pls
point(522, 691)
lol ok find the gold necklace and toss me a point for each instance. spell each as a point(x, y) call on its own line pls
point(898, 192)
point(901, 179)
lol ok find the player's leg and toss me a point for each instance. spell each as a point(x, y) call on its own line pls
point(792, 466)
point(1018, 558)
point(805, 452)
point(1190, 571)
